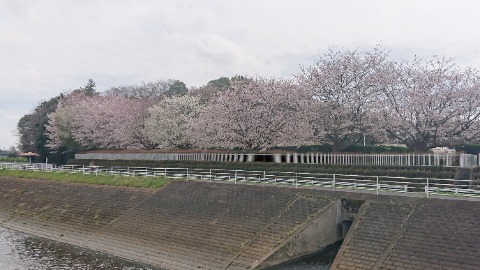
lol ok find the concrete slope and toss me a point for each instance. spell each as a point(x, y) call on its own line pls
point(185, 225)
point(194, 225)
point(427, 234)
point(201, 225)
point(64, 212)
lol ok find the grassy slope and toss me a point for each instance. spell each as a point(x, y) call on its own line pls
point(125, 181)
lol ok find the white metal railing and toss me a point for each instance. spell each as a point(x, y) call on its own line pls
point(375, 184)
point(410, 159)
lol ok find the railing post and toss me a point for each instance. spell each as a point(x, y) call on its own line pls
point(210, 175)
point(264, 175)
point(426, 188)
point(296, 179)
point(333, 182)
point(188, 175)
point(235, 176)
point(378, 186)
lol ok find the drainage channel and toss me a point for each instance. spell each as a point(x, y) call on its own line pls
point(321, 260)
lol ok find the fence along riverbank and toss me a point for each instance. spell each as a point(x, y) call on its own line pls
point(427, 187)
point(413, 159)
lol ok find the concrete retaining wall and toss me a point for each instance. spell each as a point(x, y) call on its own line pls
point(428, 234)
point(200, 225)
point(185, 225)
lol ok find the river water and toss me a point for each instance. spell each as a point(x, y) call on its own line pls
point(20, 251)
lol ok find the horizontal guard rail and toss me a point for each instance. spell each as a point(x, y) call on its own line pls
point(367, 183)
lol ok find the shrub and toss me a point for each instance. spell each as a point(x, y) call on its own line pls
point(13, 159)
point(473, 149)
point(375, 149)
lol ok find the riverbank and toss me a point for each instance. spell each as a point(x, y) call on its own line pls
point(183, 225)
point(207, 225)
point(108, 180)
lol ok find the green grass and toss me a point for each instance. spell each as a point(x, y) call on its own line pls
point(110, 180)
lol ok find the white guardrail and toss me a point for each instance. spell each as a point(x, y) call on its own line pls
point(375, 184)
point(411, 159)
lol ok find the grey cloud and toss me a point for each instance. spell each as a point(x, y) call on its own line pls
point(51, 46)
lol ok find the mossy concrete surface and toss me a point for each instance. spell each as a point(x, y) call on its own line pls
point(184, 225)
point(413, 234)
point(202, 225)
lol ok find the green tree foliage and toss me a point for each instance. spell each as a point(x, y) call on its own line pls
point(153, 91)
point(220, 83)
point(31, 128)
point(89, 88)
point(178, 89)
point(10, 153)
point(206, 92)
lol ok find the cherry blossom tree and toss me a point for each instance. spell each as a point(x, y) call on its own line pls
point(110, 122)
point(58, 143)
point(431, 102)
point(344, 85)
point(92, 122)
point(60, 125)
point(167, 123)
point(255, 113)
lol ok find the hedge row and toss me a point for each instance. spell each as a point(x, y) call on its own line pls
point(357, 148)
point(420, 172)
point(13, 159)
point(473, 149)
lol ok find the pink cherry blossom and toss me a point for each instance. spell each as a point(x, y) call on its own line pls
point(256, 113)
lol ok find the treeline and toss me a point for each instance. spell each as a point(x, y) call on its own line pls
point(345, 97)
point(11, 155)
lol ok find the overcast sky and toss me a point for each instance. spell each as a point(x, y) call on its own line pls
point(47, 47)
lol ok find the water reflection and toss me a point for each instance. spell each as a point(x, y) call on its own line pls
point(19, 251)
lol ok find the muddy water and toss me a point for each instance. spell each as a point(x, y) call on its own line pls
point(19, 251)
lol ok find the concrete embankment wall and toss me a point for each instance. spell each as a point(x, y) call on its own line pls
point(413, 234)
point(201, 225)
point(184, 225)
